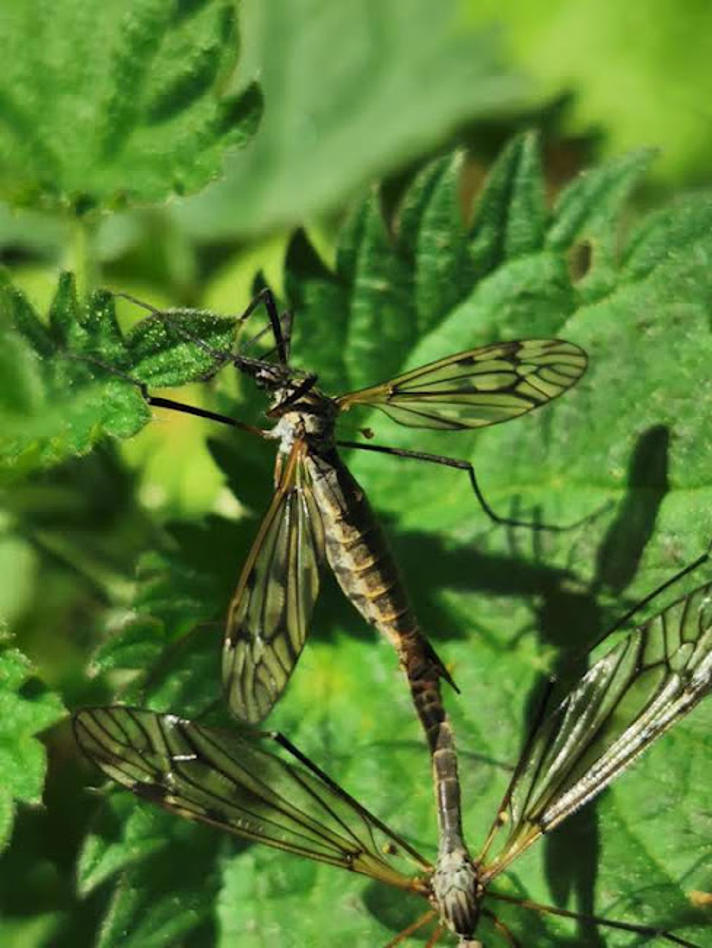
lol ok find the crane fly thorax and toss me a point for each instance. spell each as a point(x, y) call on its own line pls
point(457, 891)
point(311, 418)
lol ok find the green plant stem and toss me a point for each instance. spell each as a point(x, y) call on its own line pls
point(82, 258)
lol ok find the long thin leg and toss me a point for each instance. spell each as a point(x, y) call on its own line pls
point(265, 296)
point(134, 299)
point(651, 930)
point(435, 938)
point(158, 401)
point(502, 928)
point(407, 932)
point(219, 355)
point(304, 386)
point(285, 322)
point(462, 466)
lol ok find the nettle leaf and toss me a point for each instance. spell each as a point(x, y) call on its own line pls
point(171, 641)
point(166, 895)
point(628, 435)
point(630, 443)
point(70, 380)
point(26, 708)
point(120, 835)
point(117, 103)
point(52, 404)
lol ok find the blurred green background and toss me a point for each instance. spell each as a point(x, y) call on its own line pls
point(172, 150)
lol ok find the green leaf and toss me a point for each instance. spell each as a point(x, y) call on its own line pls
point(26, 708)
point(54, 403)
point(577, 455)
point(163, 350)
point(630, 443)
point(510, 218)
point(37, 930)
point(67, 384)
point(175, 631)
point(183, 875)
point(122, 834)
point(356, 82)
point(118, 103)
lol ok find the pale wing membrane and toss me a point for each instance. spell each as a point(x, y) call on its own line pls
point(229, 782)
point(270, 612)
point(479, 387)
point(627, 699)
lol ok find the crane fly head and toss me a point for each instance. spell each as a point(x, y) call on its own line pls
point(298, 394)
point(270, 376)
point(289, 389)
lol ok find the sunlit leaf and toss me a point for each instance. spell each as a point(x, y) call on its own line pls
point(26, 708)
point(118, 103)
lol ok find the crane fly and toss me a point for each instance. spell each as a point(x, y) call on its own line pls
point(319, 511)
point(643, 684)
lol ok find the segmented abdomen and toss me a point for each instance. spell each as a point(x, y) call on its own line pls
point(358, 553)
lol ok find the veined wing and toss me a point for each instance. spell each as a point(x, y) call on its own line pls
point(270, 611)
point(627, 699)
point(228, 781)
point(479, 387)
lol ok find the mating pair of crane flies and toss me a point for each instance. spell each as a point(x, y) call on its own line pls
point(319, 510)
point(641, 686)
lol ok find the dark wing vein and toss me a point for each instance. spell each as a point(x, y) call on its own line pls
point(644, 684)
point(270, 612)
point(479, 387)
point(228, 781)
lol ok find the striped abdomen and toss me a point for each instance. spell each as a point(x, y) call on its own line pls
point(358, 553)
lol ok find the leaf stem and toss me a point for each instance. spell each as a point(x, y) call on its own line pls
point(82, 256)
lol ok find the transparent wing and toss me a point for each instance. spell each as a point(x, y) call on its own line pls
point(228, 781)
point(270, 611)
point(627, 699)
point(479, 387)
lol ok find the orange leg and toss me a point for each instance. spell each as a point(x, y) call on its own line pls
point(407, 932)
